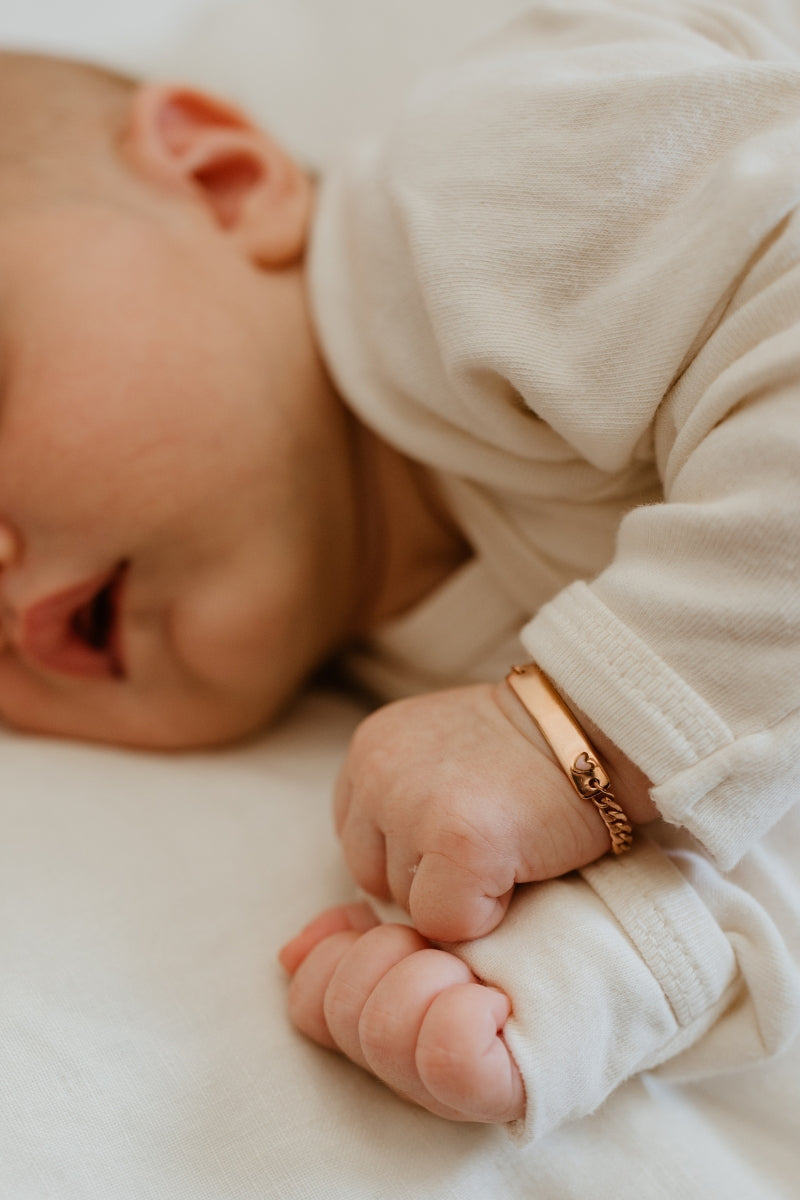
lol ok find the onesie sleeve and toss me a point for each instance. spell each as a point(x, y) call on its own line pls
point(685, 317)
point(654, 962)
point(685, 650)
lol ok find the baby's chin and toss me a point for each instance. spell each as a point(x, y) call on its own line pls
point(188, 733)
point(168, 710)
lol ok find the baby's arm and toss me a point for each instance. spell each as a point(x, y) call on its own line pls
point(447, 801)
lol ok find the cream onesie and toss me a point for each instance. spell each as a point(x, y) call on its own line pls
point(568, 281)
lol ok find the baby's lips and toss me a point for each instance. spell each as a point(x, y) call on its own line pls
point(48, 639)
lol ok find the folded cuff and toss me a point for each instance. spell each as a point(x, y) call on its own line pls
point(726, 791)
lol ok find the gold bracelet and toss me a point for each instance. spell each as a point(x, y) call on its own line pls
point(573, 750)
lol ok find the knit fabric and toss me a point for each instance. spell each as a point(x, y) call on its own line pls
point(568, 281)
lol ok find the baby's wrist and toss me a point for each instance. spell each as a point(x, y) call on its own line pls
point(629, 788)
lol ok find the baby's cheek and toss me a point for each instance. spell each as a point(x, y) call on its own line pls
point(235, 634)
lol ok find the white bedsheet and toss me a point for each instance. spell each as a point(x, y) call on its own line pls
point(144, 1049)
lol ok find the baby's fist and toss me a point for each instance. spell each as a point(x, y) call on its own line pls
point(443, 805)
point(412, 1015)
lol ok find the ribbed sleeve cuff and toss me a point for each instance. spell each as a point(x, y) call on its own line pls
point(726, 792)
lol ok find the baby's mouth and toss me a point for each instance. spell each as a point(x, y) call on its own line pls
point(77, 631)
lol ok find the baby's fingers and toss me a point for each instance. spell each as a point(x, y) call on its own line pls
point(336, 975)
point(306, 1001)
point(393, 1015)
point(414, 1016)
point(356, 977)
point(359, 917)
point(449, 903)
point(364, 849)
point(462, 1059)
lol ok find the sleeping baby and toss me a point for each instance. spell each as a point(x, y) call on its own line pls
point(517, 383)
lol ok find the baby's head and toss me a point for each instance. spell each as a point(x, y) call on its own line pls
point(176, 524)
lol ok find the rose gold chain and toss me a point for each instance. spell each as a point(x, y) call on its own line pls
point(572, 749)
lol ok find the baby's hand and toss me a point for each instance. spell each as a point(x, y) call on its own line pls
point(412, 1015)
point(448, 800)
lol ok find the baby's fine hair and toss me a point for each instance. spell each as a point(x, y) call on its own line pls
point(55, 116)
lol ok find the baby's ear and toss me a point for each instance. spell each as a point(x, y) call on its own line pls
point(186, 140)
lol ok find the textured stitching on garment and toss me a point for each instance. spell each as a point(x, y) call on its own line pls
point(626, 666)
point(647, 944)
point(685, 990)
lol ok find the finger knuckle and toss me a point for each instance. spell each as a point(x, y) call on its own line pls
point(378, 1028)
point(461, 841)
point(448, 1051)
point(342, 1002)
